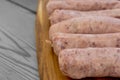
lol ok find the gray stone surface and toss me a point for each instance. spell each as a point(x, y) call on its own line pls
point(17, 43)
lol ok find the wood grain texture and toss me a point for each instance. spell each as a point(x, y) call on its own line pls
point(30, 4)
point(47, 60)
point(17, 20)
point(17, 58)
point(17, 47)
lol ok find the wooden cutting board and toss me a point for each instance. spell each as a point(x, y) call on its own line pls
point(47, 60)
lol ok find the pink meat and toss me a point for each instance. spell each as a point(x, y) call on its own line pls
point(87, 25)
point(90, 62)
point(61, 41)
point(82, 5)
point(60, 15)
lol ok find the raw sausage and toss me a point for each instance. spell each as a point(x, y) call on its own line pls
point(61, 41)
point(60, 15)
point(90, 62)
point(82, 5)
point(87, 25)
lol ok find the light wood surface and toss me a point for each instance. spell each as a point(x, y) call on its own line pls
point(47, 60)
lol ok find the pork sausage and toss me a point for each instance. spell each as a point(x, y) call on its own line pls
point(82, 5)
point(60, 15)
point(90, 62)
point(61, 41)
point(87, 25)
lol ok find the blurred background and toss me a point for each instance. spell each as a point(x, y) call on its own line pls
point(17, 40)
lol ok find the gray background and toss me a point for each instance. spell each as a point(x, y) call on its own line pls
point(17, 40)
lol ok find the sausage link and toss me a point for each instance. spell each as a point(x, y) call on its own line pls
point(82, 5)
point(87, 25)
point(60, 15)
point(61, 41)
point(90, 62)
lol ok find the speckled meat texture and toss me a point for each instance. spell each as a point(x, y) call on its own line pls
point(60, 15)
point(82, 5)
point(61, 41)
point(90, 62)
point(87, 25)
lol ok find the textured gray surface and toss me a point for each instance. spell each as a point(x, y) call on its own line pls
point(28, 3)
point(17, 43)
